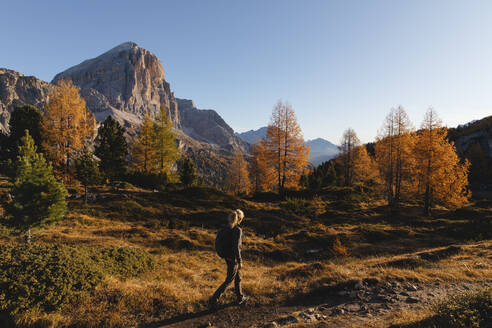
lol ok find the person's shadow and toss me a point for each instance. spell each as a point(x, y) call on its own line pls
point(187, 316)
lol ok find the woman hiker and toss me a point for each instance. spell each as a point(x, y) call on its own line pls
point(228, 246)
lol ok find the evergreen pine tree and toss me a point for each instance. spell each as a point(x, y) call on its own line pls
point(111, 148)
point(38, 197)
point(87, 170)
point(23, 118)
point(187, 173)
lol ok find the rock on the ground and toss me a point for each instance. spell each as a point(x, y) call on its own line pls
point(287, 320)
point(307, 317)
point(352, 307)
point(272, 324)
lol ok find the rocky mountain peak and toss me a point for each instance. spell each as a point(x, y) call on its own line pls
point(126, 79)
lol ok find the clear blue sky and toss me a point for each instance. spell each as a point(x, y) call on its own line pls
point(339, 63)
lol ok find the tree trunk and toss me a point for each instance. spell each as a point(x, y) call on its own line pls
point(85, 194)
point(427, 200)
point(28, 237)
point(279, 167)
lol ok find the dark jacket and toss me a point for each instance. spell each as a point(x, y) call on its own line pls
point(237, 240)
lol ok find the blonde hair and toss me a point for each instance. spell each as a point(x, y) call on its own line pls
point(233, 219)
point(240, 214)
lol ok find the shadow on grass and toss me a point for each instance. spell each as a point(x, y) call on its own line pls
point(423, 258)
point(324, 291)
point(425, 323)
point(188, 316)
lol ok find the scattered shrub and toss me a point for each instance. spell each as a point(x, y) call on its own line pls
point(297, 205)
point(124, 261)
point(46, 277)
point(469, 310)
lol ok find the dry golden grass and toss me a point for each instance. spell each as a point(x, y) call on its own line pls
point(400, 317)
point(277, 265)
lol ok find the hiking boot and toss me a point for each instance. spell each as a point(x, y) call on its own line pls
point(242, 300)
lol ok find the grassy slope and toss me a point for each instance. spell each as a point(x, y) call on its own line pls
point(280, 264)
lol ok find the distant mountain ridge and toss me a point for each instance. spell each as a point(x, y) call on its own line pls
point(476, 131)
point(321, 150)
point(252, 136)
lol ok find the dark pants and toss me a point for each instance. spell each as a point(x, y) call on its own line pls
point(233, 274)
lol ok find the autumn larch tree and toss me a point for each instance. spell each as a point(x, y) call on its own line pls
point(143, 151)
point(111, 149)
point(67, 125)
point(440, 176)
point(261, 173)
point(393, 152)
point(347, 148)
point(237, 179)
point(165, 147)
point(38, 197)
point(365, 170)
point(288, 154)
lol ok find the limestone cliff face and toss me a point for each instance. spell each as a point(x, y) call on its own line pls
point(18, 90)
point(127, 79)
point(207, 126)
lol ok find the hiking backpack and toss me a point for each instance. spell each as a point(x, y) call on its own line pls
point(223, 242)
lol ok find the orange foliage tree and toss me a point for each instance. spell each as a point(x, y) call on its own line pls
point(288, 155)
point(393, 152)
point(439, 175)
point(364, 168)
point(350, 142)
point(237, 179)
point(143, 149)
point(262, 175)
point(67, 125)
